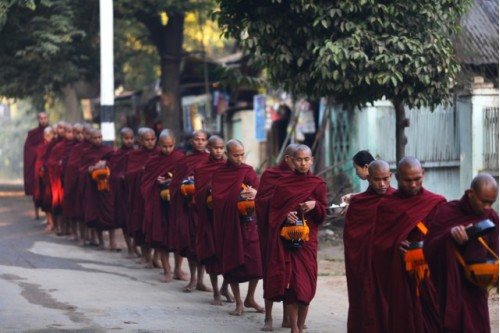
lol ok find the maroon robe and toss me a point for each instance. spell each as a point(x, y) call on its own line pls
point(237, 242)
point(183, 217)
point(136, 160)
point(400, 309)
point(41, 188)
point(46, 195)
point(205, 235)
point(358, 237)
point(268, 182)
point(463, 306)
point(70, 180)
point(96, 204)
point(33, 139)
point(117, 166)
point(54, 168)
point(294, 273)
point(156, 211)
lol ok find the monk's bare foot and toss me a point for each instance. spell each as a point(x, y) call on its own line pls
point(48, 230)
point(202, 287)
point(268, 326)
point(189, 288)
point(229, 297)
point(167, 278)
point(149, 265)
point(253, 304)
point(180, 275)
point(286, 324)
point(217, 301)
point(157, 264)
point(238, 311)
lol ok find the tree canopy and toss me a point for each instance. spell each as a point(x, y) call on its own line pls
point(46, 45)
point(354, 51)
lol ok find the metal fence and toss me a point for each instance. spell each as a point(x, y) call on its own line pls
point(490, 139)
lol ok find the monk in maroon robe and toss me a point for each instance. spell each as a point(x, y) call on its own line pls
point(42, 186)
point(405, 303)
point(463, 305)
point(136, 160)
point(292, 274)
point(268, 182)
point(98, 214)
point(183, 215)
point(71, 182)
point(237, 239)
point(55, 169)
point(358, 237)
point(205, 233)
point(33, 139)
point(156, 211)
point(117, 166)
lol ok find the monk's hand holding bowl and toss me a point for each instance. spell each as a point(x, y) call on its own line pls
point(163, 180)
point(292, 217)
point(404, 246)
point(307, 206)
point(459, 234)
point(249, 193)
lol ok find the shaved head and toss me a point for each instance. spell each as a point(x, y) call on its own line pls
point(214, 139)
point(288, 156)
point(482, 194)
point(378, 165)
point(379, 176)
point(290, 149)
point(483, 181)
point(232, 144)
point(409, 162)
point(126, 131)
point(167, 134)
point(235, 152)
point(410, 176)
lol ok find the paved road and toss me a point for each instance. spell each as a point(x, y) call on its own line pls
point(49, 284)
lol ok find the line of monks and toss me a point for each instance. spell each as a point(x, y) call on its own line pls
point(413, 262)
point(226, 221)
point(212, 210)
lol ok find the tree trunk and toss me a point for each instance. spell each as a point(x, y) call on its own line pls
point(73, 111)
point(171, 57)
point(401, 123)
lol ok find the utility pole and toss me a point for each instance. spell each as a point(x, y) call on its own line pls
point(107, 75)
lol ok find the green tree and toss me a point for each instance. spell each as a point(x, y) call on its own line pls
point(164, 21)
point(356, 51)
point(48, 48)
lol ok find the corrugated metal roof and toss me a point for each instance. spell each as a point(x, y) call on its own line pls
point(478, 41)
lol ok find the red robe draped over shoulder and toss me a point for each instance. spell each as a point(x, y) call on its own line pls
point(205, 234)
point(70, 181)
point(237, 242)
point(33, 139)
point(97, 209)
point(183, 218)
point(294, 273)
point(268, 182)
point(55, 170)
point(39, 173)
point(46, 199)
point(400, 309)
point(463, 306)
point(117, 167)
point(358, 237)
point(156, 211)
point(136, 161)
